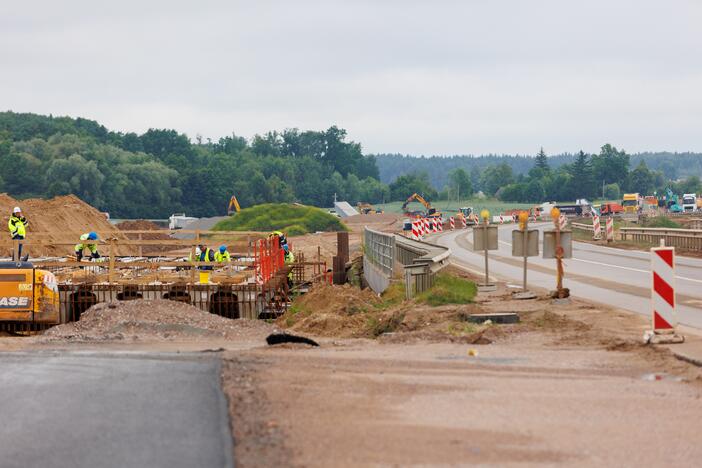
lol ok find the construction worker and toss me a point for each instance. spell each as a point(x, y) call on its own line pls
point(281, 238)
point(90, 236)
point(222, 255)
point(18, 229)
point(206, 255)
point(289, 260)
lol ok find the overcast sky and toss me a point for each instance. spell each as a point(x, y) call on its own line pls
point(417, 77)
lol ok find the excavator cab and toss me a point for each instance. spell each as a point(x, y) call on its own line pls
point(28, 295)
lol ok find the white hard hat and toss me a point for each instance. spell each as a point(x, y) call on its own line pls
point(198, 251)
point(17, 209)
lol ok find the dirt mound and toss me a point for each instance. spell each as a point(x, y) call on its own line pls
point(155, 320)
point(145, 225)
point(348, 312)
point(377, 218)
point(63, 219)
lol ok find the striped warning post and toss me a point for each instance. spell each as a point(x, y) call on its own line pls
point(427, 226)
point(434, 226)
point(563, 222)
point(464, 224)
point(663, 289)
point(609, 229)
point(415, 230)
point(452, 223)
point(441, 225)
point(596, 227)
point(502, 219)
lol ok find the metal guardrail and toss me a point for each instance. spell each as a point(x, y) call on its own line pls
point(388, 255)
point(421, 262)
point(688, 239)
point(583, 227)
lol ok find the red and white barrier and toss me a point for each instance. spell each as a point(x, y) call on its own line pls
point(596, 227)
point(609, 229)
point(427, 226)
point(464, 224)
point(434, 225)
point(562, 222)
point(441, 224)
point(663, 289)
point(416, 234)
point(452, 223)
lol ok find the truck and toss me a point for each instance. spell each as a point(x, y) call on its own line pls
point(28, 295)
point(632, 202)
point(689, 202)
point(611, 209)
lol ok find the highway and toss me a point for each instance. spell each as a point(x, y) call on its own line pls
point(84, 409)
point(606, 275)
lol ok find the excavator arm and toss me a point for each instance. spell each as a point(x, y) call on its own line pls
point(233, 205)
point(419, 198)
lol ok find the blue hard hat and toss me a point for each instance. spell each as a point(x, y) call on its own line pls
point(92, 235)
point(222, 248)
point(285, 247)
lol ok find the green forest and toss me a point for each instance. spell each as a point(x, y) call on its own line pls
point(162, 171)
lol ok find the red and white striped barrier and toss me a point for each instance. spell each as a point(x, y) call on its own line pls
point(434, 225)
point(464, 224)
point(441, 225)
point(609, 229)
point(596, 227)
point(416, 234)
point(663, 289)
point(427, 226)
point(562, 222)
point(452, 223)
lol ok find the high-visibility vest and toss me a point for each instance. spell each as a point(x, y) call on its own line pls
point(222, 257)
point(17, 226)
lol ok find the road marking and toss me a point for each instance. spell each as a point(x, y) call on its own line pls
point(621, 267)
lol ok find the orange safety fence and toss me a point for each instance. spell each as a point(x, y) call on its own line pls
point(269, 258)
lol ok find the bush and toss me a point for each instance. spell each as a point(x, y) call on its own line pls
point(449, 289)
point(294, 220)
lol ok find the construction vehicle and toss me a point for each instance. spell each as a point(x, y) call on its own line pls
point(670, 202)
point(689, 202)
point(467, 213)
point(28, 295)
point(431, 211)
point(367, 208)
point(233, 206)
point(632, 202)
point(611, 209)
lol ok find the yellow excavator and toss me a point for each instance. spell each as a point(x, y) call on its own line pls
point(28, 295)
point(233, 206)
point(367, 208)
point(431, 211)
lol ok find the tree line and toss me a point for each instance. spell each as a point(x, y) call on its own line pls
point(162, 171)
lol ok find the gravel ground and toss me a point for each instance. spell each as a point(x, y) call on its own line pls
point(149, 320)
point(526, 402)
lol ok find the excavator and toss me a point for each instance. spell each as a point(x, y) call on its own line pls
point(233, 206)
point(28, 295)
point(431, 211)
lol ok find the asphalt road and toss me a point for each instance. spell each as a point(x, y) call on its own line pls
point(117, 410)
point(617, 277)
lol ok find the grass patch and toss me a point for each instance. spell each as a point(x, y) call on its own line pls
point(294, 220)
point(395, 294)
point(662, 222)
point(449, 289)
point(462, 329)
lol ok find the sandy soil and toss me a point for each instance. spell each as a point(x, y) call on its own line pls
point(537, 397)
point(64, 218)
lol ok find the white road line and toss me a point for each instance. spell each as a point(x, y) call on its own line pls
point(621, 267)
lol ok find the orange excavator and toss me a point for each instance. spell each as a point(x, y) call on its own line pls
point(431, 211)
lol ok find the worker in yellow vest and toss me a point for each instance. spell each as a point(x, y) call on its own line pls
point(222, 255)
point(18, 229)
